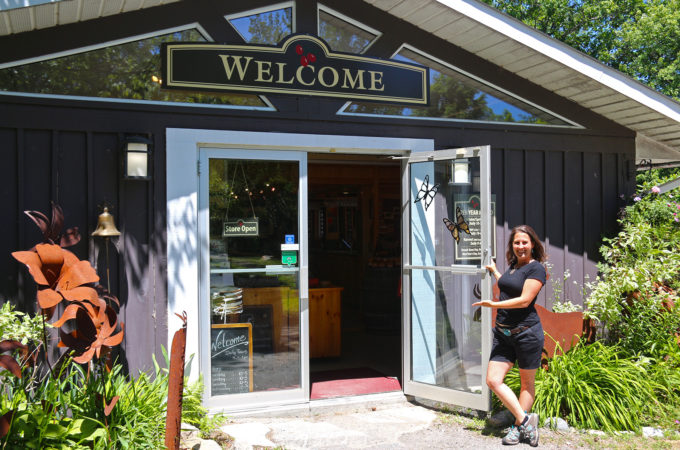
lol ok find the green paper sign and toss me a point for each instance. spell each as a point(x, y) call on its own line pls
point(288, 257)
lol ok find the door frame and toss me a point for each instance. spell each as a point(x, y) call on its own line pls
point(206, 153)
point(481, 401)
point(183, 252)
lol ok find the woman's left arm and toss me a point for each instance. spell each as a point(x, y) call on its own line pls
point(530, 290)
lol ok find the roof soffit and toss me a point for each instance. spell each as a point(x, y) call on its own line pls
point(544, 61)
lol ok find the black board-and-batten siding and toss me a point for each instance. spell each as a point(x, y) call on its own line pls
point(566, 183)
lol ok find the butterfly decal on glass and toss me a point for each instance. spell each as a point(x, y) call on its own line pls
point(459, 226)
point(426, 193)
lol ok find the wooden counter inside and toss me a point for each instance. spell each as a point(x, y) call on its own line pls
point(325, 322)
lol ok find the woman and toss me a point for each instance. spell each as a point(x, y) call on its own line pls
point(518, 334)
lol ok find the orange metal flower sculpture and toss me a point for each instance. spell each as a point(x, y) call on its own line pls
point(62, 277)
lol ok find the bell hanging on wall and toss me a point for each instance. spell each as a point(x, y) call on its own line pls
point(105, 225)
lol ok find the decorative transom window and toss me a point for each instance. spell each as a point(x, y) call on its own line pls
point(456, 95)
point(129, 71)
point(264, 26)
point(344, 34)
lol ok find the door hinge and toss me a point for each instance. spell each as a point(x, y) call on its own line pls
point(198, 167)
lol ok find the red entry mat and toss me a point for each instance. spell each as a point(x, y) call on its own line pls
point(346, 382)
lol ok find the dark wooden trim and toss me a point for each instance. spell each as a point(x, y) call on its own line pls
point(306, 17)
point(54, 181)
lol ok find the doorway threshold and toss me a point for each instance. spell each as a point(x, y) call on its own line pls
point(313, 407)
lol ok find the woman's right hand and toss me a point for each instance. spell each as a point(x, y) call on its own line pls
point(491, 267)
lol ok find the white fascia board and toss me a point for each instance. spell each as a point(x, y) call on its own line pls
point(564, 54)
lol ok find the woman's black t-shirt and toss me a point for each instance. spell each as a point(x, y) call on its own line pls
point(511, 285)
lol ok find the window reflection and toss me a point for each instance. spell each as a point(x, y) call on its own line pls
point(253, 191)
point(254, 311)
point(343, 36)
point(266, 27)
point(125, 71)
point(454, 95)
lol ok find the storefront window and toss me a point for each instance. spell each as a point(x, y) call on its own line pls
point(254, 296)
point(342, 35)
point(267, 27)
point(454, 95)
point(126, 71)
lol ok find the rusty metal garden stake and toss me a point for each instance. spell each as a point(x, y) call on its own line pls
point(173, 421)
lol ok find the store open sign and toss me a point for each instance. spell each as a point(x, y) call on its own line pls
point(241, 228)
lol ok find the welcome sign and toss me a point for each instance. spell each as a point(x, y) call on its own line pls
point(299, 65)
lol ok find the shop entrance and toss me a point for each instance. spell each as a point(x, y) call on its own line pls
point(355, 303)
point(269, 227)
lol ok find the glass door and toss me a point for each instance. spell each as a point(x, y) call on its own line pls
point(448, 240)
point(253, 286)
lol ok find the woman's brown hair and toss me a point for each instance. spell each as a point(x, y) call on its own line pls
point(537, 250)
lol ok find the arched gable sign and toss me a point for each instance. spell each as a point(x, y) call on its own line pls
point(300, 65)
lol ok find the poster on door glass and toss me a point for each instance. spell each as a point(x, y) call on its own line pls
point(468, 249)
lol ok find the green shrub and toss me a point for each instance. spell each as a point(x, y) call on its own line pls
point(592, 387)
point(640, 272)
point(67, 410)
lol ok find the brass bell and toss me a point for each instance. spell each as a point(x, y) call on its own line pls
point(105, 225)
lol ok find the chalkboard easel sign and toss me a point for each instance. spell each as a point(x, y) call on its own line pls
point(231, 358)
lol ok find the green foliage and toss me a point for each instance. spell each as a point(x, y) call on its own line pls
point(193, 411)
point(41, 415)
point(640, 273)
point(593, 387)
point(66, 410)
point(19, 326)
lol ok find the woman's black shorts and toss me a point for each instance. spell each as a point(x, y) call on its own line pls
point(525, 347)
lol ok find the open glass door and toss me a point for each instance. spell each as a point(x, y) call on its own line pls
point(253, 283)
point(447, 242)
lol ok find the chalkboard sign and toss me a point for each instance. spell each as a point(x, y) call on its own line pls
point(231, 358)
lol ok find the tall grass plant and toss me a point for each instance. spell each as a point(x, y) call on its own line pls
point(594, 387)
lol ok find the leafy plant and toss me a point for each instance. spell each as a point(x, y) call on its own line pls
point(634, 296)
point(193, 411)
point(593, 387)
point(19, 326)
point(69, 411)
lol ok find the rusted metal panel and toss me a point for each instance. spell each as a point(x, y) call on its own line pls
point(563, 329)
point(173, 420)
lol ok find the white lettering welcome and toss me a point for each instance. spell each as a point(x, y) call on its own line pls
point(329, 77)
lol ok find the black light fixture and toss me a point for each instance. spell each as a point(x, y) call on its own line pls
point(136, 158)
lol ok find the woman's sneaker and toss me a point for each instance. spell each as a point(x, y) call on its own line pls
point(512, 438)
point(529, 431)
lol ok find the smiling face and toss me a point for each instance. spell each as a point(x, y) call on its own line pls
point(521, 246)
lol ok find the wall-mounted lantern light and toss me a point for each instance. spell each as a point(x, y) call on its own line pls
point(136, 158)
point(460, 171)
